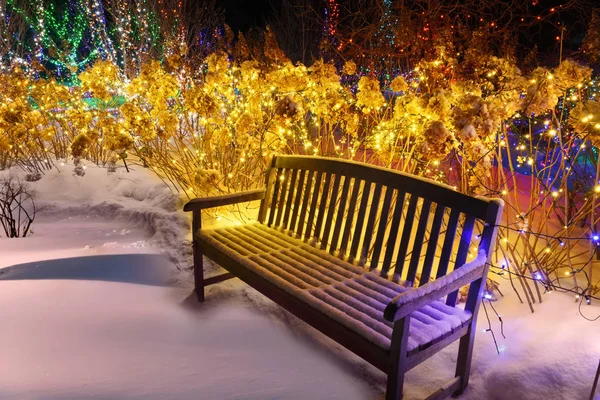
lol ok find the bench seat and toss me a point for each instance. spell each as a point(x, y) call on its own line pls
point(345, 292)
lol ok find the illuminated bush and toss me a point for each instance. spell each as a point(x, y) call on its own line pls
point(481, 127)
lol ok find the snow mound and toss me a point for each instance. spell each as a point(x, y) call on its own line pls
point(136, 199)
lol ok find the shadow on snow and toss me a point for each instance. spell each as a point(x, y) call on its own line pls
point(145, 269)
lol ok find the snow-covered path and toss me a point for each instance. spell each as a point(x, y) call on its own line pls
point(90, 307)
point(83, 338)
point(114, 326)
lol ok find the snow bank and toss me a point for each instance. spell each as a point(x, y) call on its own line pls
point(133, 201)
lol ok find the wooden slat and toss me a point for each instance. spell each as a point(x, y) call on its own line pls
point(292, 190)
point(284, 188)
point(274, 199)
point(370, 224)
point(383, 220)
point(418, 241)
point(406, 233)
point(463, 250)
point(331, 210)
point(448, 243)
point(349, 225)
point(313, 205)
point(466, 237)
point(490, 230)
point(264, 205)
point(434, 235)
point(360, 219)
point(391, 242)
point(307, 192)
point(340, 214)
point(299, 194)
point(322, 206)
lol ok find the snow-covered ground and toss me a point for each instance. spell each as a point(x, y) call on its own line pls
point(95, 305)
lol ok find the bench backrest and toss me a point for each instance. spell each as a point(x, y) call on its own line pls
point(377, 217)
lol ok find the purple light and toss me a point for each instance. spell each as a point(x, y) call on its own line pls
point(537, 276)
point(488, 296)
point(595, 237)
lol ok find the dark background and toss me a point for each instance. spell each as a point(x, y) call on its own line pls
point(241, 15)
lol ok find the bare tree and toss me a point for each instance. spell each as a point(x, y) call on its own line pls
point(298, 26)
point(14, 30)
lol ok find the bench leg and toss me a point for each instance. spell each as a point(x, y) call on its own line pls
point(463, 363)
point(198, 263)
point(398, 351)
point(465, 347)
point(198, 276)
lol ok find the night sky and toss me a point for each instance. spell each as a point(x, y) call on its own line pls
point(242, 15)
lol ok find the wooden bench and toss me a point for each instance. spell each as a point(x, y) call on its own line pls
point(343, 246)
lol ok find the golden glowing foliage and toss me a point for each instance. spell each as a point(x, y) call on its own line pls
point(585, 118)
point(399, 84)
point(542, 93)
point(79, 145)
point(214, 129)
point(349, 68)
point(218, 67)
point(438, 141)
point(100, 80)
point(369, 94)
point(570, 73)
point(289, 78)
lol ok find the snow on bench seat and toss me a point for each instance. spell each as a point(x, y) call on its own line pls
point(347, 293)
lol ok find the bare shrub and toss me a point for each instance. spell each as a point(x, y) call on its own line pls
point(17, 207)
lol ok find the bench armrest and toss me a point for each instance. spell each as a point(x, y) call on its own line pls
point(202, 203)
point(412, 300)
